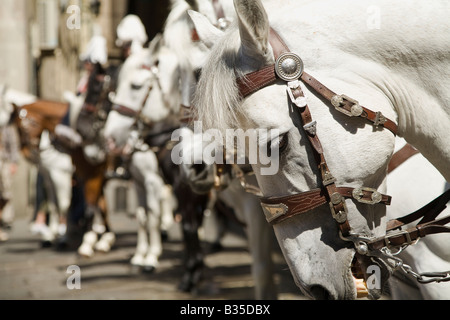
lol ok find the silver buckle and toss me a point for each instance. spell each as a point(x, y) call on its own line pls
point(338, 100)
point(375, 198)
point(336, 199)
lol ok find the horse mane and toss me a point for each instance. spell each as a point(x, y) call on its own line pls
point(217, 99)
point(178, 31)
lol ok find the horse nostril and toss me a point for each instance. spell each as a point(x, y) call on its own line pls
point(320, 293)
point(199, 167)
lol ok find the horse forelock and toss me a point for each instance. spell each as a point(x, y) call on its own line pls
point(217, 99)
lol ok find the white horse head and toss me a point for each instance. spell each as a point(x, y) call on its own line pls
point(143, 92)
point(180, 37)
point(338, 48)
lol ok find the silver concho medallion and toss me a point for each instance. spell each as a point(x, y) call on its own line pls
point(289, 67)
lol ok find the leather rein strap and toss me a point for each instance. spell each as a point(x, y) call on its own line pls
point(280, 209)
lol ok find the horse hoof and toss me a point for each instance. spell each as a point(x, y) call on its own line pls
point(62, 245)
point(46, 244)
point(185, 286)
point(137, 261)
point(106, 242)
point(164, 236)
point(86, 251)
point(148, 269)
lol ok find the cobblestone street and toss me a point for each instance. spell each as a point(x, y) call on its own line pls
point(30, 272)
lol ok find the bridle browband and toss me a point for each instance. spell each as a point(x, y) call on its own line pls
point(289, 68)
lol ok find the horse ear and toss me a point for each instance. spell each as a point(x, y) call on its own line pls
point(254, 27)
point(193, 4)
point(156, 43)
point(207, 32)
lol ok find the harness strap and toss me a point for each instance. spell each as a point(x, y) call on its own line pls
point(410, 236)
point(257, 80)
point(401, 156)
point(427, 213)
point(125, 111)
point(279, 209)
point(333, 196)
point(426, 226)
point(137, 115)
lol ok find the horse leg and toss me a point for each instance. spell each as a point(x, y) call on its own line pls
point(90, 237)
point(260, 240)
point(168, 205)
point(142, 238)
point(108, 239)
point(47, 204)
point(63, 182)
point(153, 187)
point(192, 208)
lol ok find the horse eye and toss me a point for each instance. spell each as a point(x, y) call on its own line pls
point(198, 74)
point(136, 87)
point(281, 143)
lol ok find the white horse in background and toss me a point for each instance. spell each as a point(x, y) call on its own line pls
point(412, 185)
point(402, 69)
point(123, 138)
point(55, 167)
point(180, 37)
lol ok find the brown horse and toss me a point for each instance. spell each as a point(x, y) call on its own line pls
point(32, 120)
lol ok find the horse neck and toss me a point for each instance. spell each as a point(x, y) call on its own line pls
point(423, 121)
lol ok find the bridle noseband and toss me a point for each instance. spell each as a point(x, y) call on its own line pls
point(289, 68)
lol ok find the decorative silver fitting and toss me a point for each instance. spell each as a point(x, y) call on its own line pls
point(289, 67)
point(223, 23)
point(338, 101)
point(274, 211)
point(336, 198)
point(358, 195)
point(328, 179)
point(311, 128)
point(362, 248)
point(341, 215)
point(301, 101)
point(380, 120)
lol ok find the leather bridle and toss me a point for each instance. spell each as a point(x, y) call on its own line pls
point(137, 114)
point(289, 68)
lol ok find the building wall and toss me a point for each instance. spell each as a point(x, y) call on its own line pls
point(15, 66)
